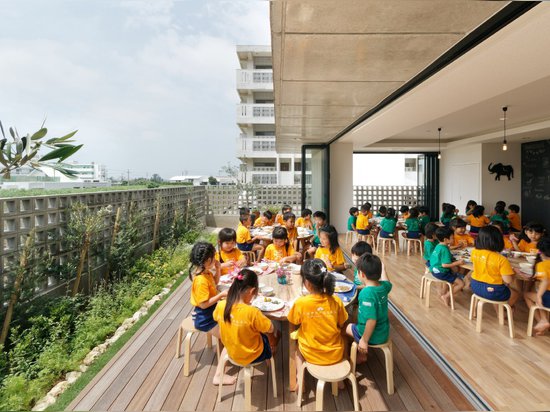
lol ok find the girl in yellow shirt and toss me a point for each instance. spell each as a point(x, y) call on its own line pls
point(542, 296)
point(477, 219)
point(228, 254)
point(244, 329)
point(329, 251)
point(305, 219)
point(321, 316)
point(528, 239)
point(281, 250)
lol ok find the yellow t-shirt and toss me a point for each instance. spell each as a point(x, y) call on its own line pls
point(277, 253)
point(489, 266)
point(259, 222)
point(336, 258)
point(234, 255)
point(279, 220)
point(369, 215)
point(204, 287)
point(292, 234)
point(481, 221)
point(527, 247)
point(543, 271)
point(302, 222)
point(515, 221)
point(243, 234)
point(507, 243)
point(405, 215)
point(241, 337)
point(320, 318)
point(362, 222)
point(466, 238)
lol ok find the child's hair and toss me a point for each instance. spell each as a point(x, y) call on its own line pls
point(361, 248)
point(244, 218)
point(543, 246)
point(320, 215)
point(201, 252)
point(244, 211)
point(449, 210)
point(315, 272)
point(404, 209)
point(332, 237)
point(288, 215)
point(280, 233)
point(499, 210)
point(430, 230)
point(365, 207)
point(246, 279)
point(490, 238)
point(286, 208)
point(442, 233)
point(443, 206)
point(226, 235)
point(370, 265)
point(390, 214)
point(353, 210)
point(413, 213)
point(514, 208)
point(501, 203)
point(268, 215)
point(469, 204)
point(534, 227)
point(498, 224)
point(382, 209)
point(456, 223)
point(478, 211)
point(255, 214)
point(423, 209)
point(306, 212)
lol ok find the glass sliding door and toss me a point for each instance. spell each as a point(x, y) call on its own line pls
point(428, 183)
point(315, 177)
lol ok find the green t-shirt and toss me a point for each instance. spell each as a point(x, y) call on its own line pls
point(424, 220)
point(356, 279)
point(505, 222)
point(352, 220)
point(446, 220)
point(429, 246)
point(388, 225)
point(373, 304)
point(440, 255)
point(413, 225)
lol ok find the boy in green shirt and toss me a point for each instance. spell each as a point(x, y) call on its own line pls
point(352, 219)
point(430, 242)
point(373, 325)
point(358, 250)
point(423, 218)
point(387, 225)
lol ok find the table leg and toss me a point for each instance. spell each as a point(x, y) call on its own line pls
point(292, 347)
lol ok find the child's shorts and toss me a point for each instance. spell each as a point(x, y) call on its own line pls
point(357, 336)
point(363, 231)
point(413, 235)
point(428, 264)
point(266, 353)
point(447, 276)
point(474, 229)
point(245, 247)
point(499, 293)
point(385, 234)
point(546, 299)
point(203, 318)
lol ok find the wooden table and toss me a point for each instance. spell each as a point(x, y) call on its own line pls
point(515, 265)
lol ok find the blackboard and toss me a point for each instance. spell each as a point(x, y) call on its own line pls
point(535, 182)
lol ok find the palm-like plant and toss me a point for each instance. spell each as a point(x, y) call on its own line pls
point(22, 150)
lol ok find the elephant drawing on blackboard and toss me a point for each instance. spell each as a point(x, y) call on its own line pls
point(501, 170)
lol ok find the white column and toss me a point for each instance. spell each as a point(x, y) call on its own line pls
point(341, 184)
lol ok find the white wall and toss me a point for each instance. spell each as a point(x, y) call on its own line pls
point(384, 169)
point(341, 184)
point(493, 191)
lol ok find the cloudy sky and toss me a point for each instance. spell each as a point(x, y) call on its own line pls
point(149, 84)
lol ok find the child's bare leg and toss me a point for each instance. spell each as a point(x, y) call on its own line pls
point(259, 249)
point(226, 379)
point(299, 362)
point(543, 324)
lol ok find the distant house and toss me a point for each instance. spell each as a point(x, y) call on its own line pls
point(202, 180)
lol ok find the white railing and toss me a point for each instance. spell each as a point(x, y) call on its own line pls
point(264, 169)
point(255, 79)
point(255, 145)
point(263, 113)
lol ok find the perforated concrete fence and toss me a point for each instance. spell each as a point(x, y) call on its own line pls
point(389, 196)
point(48, 216)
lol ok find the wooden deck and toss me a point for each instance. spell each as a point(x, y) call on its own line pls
point(509, 374)
point(144, 375)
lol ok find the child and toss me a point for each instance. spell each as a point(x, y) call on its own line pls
point(320, 219)
point(442, 265)
point(368, 207)
point(245, 242)
point(244, 329)
point(542, 297)
point(329, 251)
point(255, 215)
point(492, 273)
point(404, 210)
point(387, 225)
point(289, 223)
point(281, 250)
point(470, 207)
point(305, 220)
point(448, 214)
point(279, 218)
point(382, 210)
point(507, 243)
point(373, 325)
point(362, 224)
point(352, 219)
point(499, 215)
point(477, 219)
point(423, 218)
point(514, 218)
point(413, 225)
point(357, 250)
point(460, 238)
point(266, 219)
point(430, 242)
point(321, 315)
point(500, 204)
point(228, 253)
point(528, 239)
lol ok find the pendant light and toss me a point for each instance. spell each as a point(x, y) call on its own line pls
point(439, 143)
point(504, 143)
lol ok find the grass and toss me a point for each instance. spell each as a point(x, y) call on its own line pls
point(72, 392)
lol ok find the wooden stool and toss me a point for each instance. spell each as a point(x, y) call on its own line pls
point(413, 242)
point(501, 305)
point(425, 286)
point(250, 256)
point(366, 238)
point(330, 373)
point(189, 326)
point(532, 316)
point(383, 241)
point(350, 233)
point(388, 356)
point(248, 373)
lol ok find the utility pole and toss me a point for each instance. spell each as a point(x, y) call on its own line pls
point(128, 177)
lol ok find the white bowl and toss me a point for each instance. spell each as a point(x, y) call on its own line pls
point(263, 265)
point(531, 259)
point(261, 285)
point(267, 291)
point(526, 267)
point(515, 254)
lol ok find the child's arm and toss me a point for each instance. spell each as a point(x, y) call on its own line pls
point(364, 341)
point(453, 264)
point(339, 268)
point(384, 275)
point(218, 271)
point(213, 300)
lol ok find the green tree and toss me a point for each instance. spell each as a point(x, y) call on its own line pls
point(212, 181)
point(156, 178)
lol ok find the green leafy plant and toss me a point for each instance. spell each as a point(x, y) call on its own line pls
point(22, 150)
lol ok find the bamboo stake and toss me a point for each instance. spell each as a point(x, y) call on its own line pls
point(81, 261)
point(156, 227)
point(116, 228)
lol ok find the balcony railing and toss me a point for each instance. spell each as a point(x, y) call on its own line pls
point(250, 146)
point(255, 79)
point(264, 169)
point(263, 113)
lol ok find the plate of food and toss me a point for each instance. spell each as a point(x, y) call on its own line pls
point(266, 304)
point(342, 287)
point(338, 276)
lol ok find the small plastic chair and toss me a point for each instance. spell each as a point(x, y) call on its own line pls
point(366, 238)
point(414, 242)
point(250, 256)
point(425, 286)
point(350, 234)
point(382, 241)
point(501, 305)
point(188, 326)
point(532, 317)
point(388, 356)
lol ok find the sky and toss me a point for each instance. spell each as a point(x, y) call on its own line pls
point(149, 84)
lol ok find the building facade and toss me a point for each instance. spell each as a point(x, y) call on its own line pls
point(260, 163)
